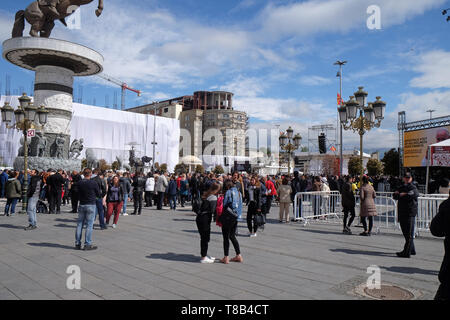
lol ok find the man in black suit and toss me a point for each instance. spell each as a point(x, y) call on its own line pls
point(407, 196)
point(55, 184)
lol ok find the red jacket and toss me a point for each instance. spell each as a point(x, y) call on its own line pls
point(271, 187)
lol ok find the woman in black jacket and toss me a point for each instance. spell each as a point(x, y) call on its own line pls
point(204, 218)
point(255, 204)
point(348, 204)
point(114, 200)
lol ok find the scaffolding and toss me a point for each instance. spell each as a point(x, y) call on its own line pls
point(330, 133)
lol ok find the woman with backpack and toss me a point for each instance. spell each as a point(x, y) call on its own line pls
point(204, 217)
point(229, 220)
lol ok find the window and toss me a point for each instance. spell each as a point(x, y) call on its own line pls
point(186, 118)
point(166, 110)
point(226, 116)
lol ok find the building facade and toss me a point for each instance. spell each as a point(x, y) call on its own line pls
point(210, 127)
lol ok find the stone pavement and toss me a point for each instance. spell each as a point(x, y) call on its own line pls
point(155, 256)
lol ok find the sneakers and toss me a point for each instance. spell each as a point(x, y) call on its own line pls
point(30, 227)
point(253, 235)
point(78, 247)
point(114, 226)
point(125, 214)
point(347, 231)
point(207, 260)
point(90, 247)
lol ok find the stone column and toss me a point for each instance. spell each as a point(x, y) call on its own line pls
point(54, 89)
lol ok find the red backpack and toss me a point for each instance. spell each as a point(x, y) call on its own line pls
point(219, 210)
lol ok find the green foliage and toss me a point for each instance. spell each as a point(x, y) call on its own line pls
point(83, 164)
point(199, 169)
point(391, 161)
point(374, 168)
point(163, 167)
point(219, 170)
point(181, 168)
point(103, 165)
point(354, 166)
point(115, 165)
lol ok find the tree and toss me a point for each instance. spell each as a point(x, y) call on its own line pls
point(180, 168)
point(163, 167)
point(330, 165)
point(115, 165)
point(391, 161)
point(199, 169)
point(354, 166)
point(103, 165)
point(83, 164)
point(219, 170)
point(374, 168)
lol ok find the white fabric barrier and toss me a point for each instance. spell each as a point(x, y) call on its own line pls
point(108, 133)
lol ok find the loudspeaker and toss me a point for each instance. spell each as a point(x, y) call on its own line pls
point(322, 143)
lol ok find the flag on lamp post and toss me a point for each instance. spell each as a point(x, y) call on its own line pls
point(340, 102)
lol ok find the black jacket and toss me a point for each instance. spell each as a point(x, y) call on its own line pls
point(258, 198)
point(75, 179)
point(55, 183)
point(125, 182)
point(121, 193)
point(348, 198)
point(407, 205)
point(139, 184)
point(440, 227)
point(33, 185)
point(101, 185)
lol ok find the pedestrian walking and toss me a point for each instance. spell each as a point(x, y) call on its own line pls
point(255, 205)
point(229, 222)
point(149, 190)
point(76, 177)
point(114, 200)
point(139, 182)
point(126, 184)
point(348, 205)
point(3, 179)
point(172, 192)
point(13, 191)
point(34, 191)
point(55, 184)
point(284, 192)
point(440, 227)
point(100, 201)
point(368, 208)
point(204, 218)
point(161, 186)
point(407, 196)
point(89, 192)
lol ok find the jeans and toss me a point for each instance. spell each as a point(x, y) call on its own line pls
point(11, 203)
point(173, 201)
point(31, 210)
point(364, 222)
point(251, 212)
point(86, 215)
point(100, 212)
point(148, 198)
point(125, 201)
point(160, 200)
point(113, 207)
point(229, 233)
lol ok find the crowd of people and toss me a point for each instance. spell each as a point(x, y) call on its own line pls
point(214, 197)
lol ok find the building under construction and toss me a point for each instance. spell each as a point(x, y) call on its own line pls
point(198, 114)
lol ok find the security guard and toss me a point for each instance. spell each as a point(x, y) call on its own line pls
point(407, 196)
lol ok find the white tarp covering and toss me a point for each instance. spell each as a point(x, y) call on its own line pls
point(108, 133)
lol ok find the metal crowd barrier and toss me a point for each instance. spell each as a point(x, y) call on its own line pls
point(427, 209)
point(327, 207)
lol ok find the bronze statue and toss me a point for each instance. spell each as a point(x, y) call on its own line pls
point(41, 15)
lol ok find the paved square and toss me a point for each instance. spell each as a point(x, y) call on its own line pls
point(156, 256)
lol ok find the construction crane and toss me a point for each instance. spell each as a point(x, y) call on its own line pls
point(122, 85)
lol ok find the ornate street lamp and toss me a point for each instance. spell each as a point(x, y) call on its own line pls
point(370, 116)
point(290, 143)
point(25, 119)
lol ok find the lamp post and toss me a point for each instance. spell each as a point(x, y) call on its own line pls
point(154, 136)
point(370, 116)
point(26, 118)
point(341, 149)
point(290, 143)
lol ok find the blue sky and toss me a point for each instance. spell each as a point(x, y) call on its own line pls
point(276, 56)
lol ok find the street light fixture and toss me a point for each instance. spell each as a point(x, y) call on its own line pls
point(290, 143)
point(25, 119)
point(370, 116)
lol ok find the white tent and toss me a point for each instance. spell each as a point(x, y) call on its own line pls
point(108, 133)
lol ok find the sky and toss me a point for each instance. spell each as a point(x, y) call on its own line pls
point(276, 57)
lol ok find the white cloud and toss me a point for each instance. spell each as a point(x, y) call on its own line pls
point(433, 66)
point(314, 80)
point(319, 16)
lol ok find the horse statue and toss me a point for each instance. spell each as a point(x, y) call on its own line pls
point(41, 15)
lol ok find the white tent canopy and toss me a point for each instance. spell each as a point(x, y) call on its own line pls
point(108, 133)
